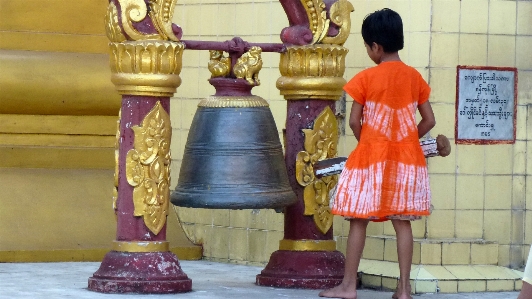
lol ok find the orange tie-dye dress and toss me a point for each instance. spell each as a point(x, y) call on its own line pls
point(386, 176)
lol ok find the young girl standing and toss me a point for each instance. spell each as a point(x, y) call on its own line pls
point(385, 177)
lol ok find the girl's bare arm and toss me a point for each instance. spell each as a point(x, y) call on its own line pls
point(355, 119)
point(427, 119)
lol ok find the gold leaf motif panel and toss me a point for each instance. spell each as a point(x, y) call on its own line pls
point(320, 143)
point(148, 168)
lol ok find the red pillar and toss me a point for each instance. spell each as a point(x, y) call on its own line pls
point(145, 60)
point(307, 256)
point(140, 261)
point(312, 69)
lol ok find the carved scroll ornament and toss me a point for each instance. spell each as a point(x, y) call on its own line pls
point(160, 12)
point(320, 143)
point(148, 168)
point(314, 23)
point(145, 52)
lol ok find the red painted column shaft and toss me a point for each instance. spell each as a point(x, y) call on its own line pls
point(134, 271)
point(304, 268)
point(300, 115)
point(130, 227)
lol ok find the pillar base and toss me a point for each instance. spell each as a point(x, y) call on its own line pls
point(140, 272)
point(303, 269)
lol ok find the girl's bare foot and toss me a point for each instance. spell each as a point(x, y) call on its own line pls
point(343, 291)
point(400, 294)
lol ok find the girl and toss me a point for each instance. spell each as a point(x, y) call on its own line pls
point(385, 177)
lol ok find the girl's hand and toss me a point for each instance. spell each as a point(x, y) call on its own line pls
point(427, 119)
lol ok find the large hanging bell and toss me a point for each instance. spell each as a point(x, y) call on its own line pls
point(233, 157)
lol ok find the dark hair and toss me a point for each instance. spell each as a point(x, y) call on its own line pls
point(385, 28)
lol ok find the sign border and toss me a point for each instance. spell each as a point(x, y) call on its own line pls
point(483, 141)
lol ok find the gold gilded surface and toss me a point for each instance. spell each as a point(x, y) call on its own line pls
point(248, 66)
point(320, 143)
point(159, 11)
point(312, 72)
point(148, 168)
point(24, 156)
point(162, 12)
point(307, 245)
point(112, 25)
point(117, 163)
point(56, 83)
point(233, 102)
point(147, 68)
point(317, 15)
point(319, 23)
point(141, 246)
point(340, 15)
point(219, 65)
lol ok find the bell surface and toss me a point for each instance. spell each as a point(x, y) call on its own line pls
point(233, 158)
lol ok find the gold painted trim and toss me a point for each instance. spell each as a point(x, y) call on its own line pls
point(56, 157)
point(81, 17)
point(141, 246)
point(307, 245)
point(320, 143)
point(233, 102)
point(56, 140)
point(81, 84)
point(53, 42)
point(58, 124)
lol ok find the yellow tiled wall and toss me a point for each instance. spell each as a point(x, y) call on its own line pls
point(479, 191)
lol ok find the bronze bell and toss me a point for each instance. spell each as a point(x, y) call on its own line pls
point(233, 157)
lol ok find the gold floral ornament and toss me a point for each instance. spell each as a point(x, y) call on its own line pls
point(148, 168)
point(320, 143)
point(319, 23)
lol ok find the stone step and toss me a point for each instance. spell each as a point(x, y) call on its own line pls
point(440, 279)
point(435, 251)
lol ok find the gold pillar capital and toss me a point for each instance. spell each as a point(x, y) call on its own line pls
point(312, 72)
point(147, 67)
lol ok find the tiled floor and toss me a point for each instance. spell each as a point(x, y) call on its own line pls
point(209, 280)
point(444, 279)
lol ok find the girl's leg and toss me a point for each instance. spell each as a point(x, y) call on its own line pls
point(355, 245)
point(405, 245)
point(526, 291)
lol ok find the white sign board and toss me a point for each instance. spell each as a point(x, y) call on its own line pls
point(485, 105)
